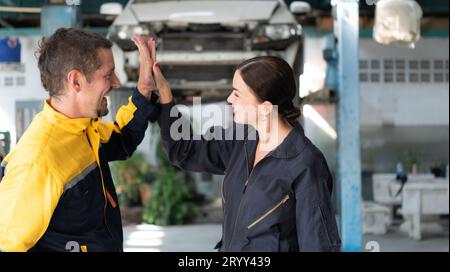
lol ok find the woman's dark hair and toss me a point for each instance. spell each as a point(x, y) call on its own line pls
point(272, 79)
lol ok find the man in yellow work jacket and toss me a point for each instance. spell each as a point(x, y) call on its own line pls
point(56, 190)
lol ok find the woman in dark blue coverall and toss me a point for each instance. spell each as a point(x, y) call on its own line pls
point(277, 185)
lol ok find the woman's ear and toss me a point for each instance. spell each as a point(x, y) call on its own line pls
point(74, 80)
point(266, 108)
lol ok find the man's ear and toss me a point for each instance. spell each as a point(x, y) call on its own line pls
point(74, 80)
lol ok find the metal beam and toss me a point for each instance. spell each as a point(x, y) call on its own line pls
point(348, 124)
point(21, 31)
point(36, 31)
point(20, 9)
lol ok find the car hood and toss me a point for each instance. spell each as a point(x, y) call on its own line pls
point(206, 12)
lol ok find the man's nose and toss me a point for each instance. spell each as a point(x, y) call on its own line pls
point(115, 81)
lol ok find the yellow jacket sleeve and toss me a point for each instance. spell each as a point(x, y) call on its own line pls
point(28, 196)
point(121, 138)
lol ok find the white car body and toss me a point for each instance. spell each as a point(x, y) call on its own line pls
point(200, 42)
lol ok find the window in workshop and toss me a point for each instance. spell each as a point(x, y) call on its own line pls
point(413, 65)
point(438, 77)
point(388, 77)
point(363, 64)
point(425, 77)
point(374, 77)
point(388, 64)
point(438, 65)
point(424, 64)
point(375, 64)
point(20, 81)
point(363, 77)
point(9, 81)
point(400, 64)
point(414, 77)
point(400, 77)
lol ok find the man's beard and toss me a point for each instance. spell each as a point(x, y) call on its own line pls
point(102, 110)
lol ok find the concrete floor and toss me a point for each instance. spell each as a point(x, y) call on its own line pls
point(397, 241)
point(203, 237)
point(186, 238)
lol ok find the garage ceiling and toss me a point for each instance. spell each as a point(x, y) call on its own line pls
point(90, 10)
point(91, 17)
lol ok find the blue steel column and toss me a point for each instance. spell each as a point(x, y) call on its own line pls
point(56, 16)
point(348, 125)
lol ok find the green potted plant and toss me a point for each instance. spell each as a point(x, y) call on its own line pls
point(132, 179)
point(171, 199)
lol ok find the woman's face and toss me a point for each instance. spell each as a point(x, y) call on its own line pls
point(244, 102)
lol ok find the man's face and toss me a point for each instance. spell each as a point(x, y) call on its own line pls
point(101, 83)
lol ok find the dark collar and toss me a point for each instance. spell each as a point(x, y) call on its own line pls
point(291, 146)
